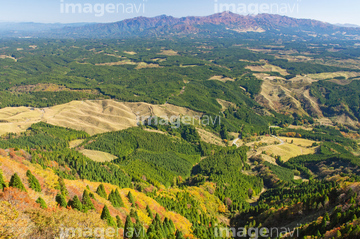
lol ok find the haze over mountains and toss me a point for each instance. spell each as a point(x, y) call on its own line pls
point(220, 23)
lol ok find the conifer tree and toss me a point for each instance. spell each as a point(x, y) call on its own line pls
point(63, 188)
point(60, 199)
point(179, 235)
point(41, 202)
point(33, 182)
point(129, 228)
point(2, 181)
point(149, 212)
point(131, 198)
point(112, 198)
point(119, 222)
point(105, 215)
point(101, 191)
point(75, 203)
point(119, 199)
point(15, 182)
point(139, 231)
point(86, 201)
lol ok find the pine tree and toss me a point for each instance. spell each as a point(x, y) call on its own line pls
point(60, 199)
point(119, 222)
point(131, 198)
point(63, 188)
point(149, 212)
point(172, 225)
point(139, 231)
point(75, 203)
point(33, 182)
point(179, 235)
point(119, 199)
point(86, 201)
point(41, 202)
point(105, 215)
point(112, 198)
point(115, 199)
point(129, 228)
point(15, 182)
point(2, 181)
point(101, 191)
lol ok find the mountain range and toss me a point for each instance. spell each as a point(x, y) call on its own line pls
point(219, 23)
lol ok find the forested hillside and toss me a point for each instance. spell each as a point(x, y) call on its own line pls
point(278, 149)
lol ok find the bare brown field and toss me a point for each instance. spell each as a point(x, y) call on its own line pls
point(8, 57)
point(168, 53)
point(98, 156)
point(268, 68)
point(285, 150)
point(326, 75)
point(118, 63)
point(93, 117)
point(221, 78)
point(325, 121)
point(75, 143)
point(300, 127)
point(274, 95)
point(143, 65)
point(158, 59)
point(16, 120)
point(345, 120)
point(298, 141)
point(130, 52)
point(225, 104)
point(295, 58)
point(140, 65)
point(209, 137)
point(154, 131)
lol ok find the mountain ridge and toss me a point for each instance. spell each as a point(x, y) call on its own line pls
point(218, 23)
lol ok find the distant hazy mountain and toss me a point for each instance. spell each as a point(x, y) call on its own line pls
point(23, 29)
point(347, 25)
point(217, 24)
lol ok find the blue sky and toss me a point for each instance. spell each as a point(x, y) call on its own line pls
point(51, 11)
